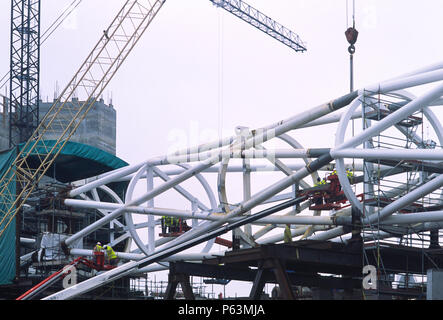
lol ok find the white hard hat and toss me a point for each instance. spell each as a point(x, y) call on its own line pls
point(99, 243)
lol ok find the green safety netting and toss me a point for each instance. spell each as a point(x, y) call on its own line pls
point(76, 161)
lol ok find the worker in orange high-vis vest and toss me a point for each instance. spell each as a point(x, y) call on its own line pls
point(111, 255)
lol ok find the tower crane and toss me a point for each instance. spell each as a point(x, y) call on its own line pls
point(92, 77)
point(113, 47)
point(274, 29)
point(262, 22)
point(24, 70)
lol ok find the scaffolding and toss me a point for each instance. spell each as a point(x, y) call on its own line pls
point(144, 287)
point(384, 182)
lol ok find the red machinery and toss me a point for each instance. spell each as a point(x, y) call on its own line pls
point(60, 274)
point(183, 227)
point(328, 196)
point(176, 230)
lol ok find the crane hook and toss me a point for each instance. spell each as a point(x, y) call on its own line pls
point(351, 49)
point(351, 35)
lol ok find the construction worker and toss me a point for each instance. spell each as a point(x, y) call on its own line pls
point(98, 247)
point(99, 256)
point(318, 199)
point(287, 234)
point(111, 255)
point(349, 174)
point(175, 224)
point(166, 224)
point(171, 224)
point(163, 221)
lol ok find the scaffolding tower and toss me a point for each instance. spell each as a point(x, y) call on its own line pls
point(401, 254)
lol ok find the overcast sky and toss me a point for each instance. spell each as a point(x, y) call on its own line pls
point(199, 71)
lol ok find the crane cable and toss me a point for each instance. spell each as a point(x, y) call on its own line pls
point(351, 36)
point(48, 32)
point(220, 75)
point(347, 14)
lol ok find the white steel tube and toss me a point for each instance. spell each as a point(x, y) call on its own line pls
point(294, 233)
point(138, 256)
point(406, 199)
point(264, 134)
point(119, 173)
point(257, 139)
point(411, 218)
point(326, 235)
point(254, 168)
point(195, 215)
point(431, 67)
point(149, 195)
point(388, 210)
point(249, 204)
point(406, 82)
point(150, 204)
point(393, 118)
point(399, 154)
point(330, 118)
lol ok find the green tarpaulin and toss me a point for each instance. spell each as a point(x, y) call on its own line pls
point(7, 239)
point(75, 162)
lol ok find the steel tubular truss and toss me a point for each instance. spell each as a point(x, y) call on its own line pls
point(260, 218)
point(262, 22)
point(89, 81)
point(291, 203)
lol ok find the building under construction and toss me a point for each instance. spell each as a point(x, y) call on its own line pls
point(357, 220)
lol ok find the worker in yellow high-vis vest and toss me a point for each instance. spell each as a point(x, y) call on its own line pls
point(287, 234)
point(111, 255)
point(98, 247)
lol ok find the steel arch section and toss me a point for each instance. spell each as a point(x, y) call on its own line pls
point(93, 195)
point(340, 140)
point(223, 170)
point(147, 250)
